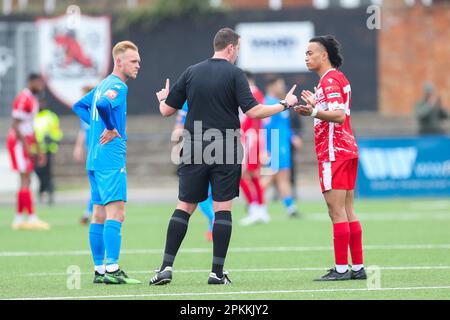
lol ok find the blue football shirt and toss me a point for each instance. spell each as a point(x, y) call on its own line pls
point(278, 121)
point(113, 154)
point(182, 113)
point(85, 128)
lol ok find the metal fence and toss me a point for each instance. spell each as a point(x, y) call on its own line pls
point(18, 50)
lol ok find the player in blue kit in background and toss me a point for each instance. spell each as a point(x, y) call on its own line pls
point(79, 150)
point(280, 164)
point(206, 206)
point(104, 108)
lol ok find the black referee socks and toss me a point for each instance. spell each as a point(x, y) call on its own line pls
point(176, 231)
point(221, 240)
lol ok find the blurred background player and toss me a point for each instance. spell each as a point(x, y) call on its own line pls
point(280, 164)
point(48, 134)
point(250, 181)
point(105, 108)
point(79, 154)
point(22, 146)
point(205, 206)
point(430, 113)
point(337, 153)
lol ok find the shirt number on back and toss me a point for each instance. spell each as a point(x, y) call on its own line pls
point(348, 92)
point(94, 109)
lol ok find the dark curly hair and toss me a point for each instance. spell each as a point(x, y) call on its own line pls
point(333, 48)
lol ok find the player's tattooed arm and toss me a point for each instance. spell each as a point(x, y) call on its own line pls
point(310, 110)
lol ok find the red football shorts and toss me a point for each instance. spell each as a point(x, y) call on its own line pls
point(20, 159)
point(338, 175)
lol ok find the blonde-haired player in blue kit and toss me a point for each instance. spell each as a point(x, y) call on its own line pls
point(104, 108)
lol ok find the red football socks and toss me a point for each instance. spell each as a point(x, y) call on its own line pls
point(356, 248)
point(25, 201)
point(19, 202)
point(246, 190)
point(259, 190)
point(341, 239)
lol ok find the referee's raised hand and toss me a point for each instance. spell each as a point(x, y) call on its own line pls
point(291, 98)
point(163, 93)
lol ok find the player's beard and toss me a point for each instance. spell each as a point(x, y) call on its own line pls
point(130, 75)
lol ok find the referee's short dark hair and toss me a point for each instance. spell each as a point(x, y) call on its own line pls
point(225, 37)
point(333, 47)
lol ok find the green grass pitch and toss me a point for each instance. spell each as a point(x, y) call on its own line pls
point(408, 241)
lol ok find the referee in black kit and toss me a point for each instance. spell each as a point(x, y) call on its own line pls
point(212, 152)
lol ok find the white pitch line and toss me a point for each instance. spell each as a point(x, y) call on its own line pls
point(418, 216)
point(429, 205)
point(234, 250)
point(234, 293)
point(48, 274)
point(315, 216)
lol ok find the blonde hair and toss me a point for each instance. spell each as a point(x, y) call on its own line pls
point(122, 46)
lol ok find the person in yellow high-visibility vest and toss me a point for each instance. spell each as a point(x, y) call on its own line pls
point(48, 134)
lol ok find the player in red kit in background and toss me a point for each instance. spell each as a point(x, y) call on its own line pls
point(22, 146)
point(337, 153)
point(250, 181)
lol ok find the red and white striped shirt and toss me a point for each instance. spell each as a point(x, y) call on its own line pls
point(25, 108)
point(251, 139)
point(334, 141)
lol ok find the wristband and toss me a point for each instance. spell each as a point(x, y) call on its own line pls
point(314, 112)
point(285, 104)
point(162, 100)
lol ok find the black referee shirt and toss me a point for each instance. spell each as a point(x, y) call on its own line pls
point(214, 90)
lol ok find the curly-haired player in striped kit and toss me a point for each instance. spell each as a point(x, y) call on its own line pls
point(337, 153)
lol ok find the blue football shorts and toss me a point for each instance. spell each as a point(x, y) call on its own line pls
point(282, 159)
point(108, 185)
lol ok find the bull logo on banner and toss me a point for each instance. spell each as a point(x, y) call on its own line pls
point(72, 56)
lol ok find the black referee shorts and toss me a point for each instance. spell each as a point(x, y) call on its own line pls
point(221, 168)
point(194, 181)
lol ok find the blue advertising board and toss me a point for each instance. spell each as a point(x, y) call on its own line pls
point(404, 167)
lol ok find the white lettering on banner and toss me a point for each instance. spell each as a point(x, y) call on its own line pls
point(274, 46)
point(413, 185)
point(393, 163)
point(433, 169)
